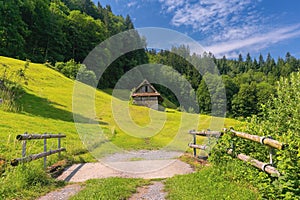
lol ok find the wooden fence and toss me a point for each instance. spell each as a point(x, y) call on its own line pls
point(209, 134)
point(44, 154)
point(268, 141)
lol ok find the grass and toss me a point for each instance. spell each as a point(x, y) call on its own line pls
point(207, 184)
point(46, 106)
point(109, 188)
point(26, 182)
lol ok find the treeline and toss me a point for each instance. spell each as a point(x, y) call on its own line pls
point(62, 30)
point(248, 82)
point(56, 30)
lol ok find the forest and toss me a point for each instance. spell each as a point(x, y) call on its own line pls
point(263, 91)
point(61, 33)
point(248, 82)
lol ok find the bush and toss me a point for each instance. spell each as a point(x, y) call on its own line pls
point(280, 119)
point(10, 87)
point(77, 71)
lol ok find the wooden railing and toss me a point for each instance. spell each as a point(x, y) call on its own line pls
point(268, 141)
point(209, 134)
point(44, 154)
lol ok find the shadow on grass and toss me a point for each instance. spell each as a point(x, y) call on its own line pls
point(42, 107)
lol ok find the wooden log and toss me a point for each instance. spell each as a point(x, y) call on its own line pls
point(256, 163)
point(260, 139)
point(30, 158)
point(195, 146)
point(206, 133)
point(38, 136)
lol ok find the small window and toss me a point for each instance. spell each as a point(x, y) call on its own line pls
point(146, 88)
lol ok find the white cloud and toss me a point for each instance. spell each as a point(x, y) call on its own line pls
point(171, 5)
point(131, 4)
point(229, 27)
point(205, 15)
point(256, 42)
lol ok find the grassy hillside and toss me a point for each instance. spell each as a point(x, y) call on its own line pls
point(46, 106)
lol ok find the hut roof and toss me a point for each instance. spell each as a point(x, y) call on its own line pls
point(147, 94)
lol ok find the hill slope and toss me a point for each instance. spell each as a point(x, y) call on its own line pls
point(47, 107)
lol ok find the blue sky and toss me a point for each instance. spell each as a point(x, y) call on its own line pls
point(224, 27)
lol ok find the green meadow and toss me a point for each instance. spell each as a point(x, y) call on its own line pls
point(46, 106)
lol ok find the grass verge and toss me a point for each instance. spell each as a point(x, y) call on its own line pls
point(109, 188)
point(26, 182)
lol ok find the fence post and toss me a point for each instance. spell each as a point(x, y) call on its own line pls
point(24, 147)
point(232, 147)
point(194, 141)
point(45, 150)
point(271, 149)
point(58, 145)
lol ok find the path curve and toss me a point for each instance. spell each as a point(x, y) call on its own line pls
point(137, 164)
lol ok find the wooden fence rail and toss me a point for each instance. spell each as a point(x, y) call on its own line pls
point(260, 139)
point(30, 158)
point(268, 141)
point(266, 167)
point(207, 133)
point(39, 136)
point(203, 133)
point(25, 137)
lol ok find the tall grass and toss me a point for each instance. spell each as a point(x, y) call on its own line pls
point(26, 182)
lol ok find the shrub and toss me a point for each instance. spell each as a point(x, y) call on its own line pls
point(280, 119)
point(78, 71)
point(10, 87)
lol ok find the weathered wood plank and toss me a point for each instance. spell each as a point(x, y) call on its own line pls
point(260, 139)
point(195, 146)
point(256, 163)
point(206, 133)
point(17, 161)
point(39, 136)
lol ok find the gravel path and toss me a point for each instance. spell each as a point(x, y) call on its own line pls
point(131, 169)
point(62, 194)
point(136, 164)
point(142, 155)
point(150, 192)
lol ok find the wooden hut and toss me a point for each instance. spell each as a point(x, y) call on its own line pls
point(146, 95)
